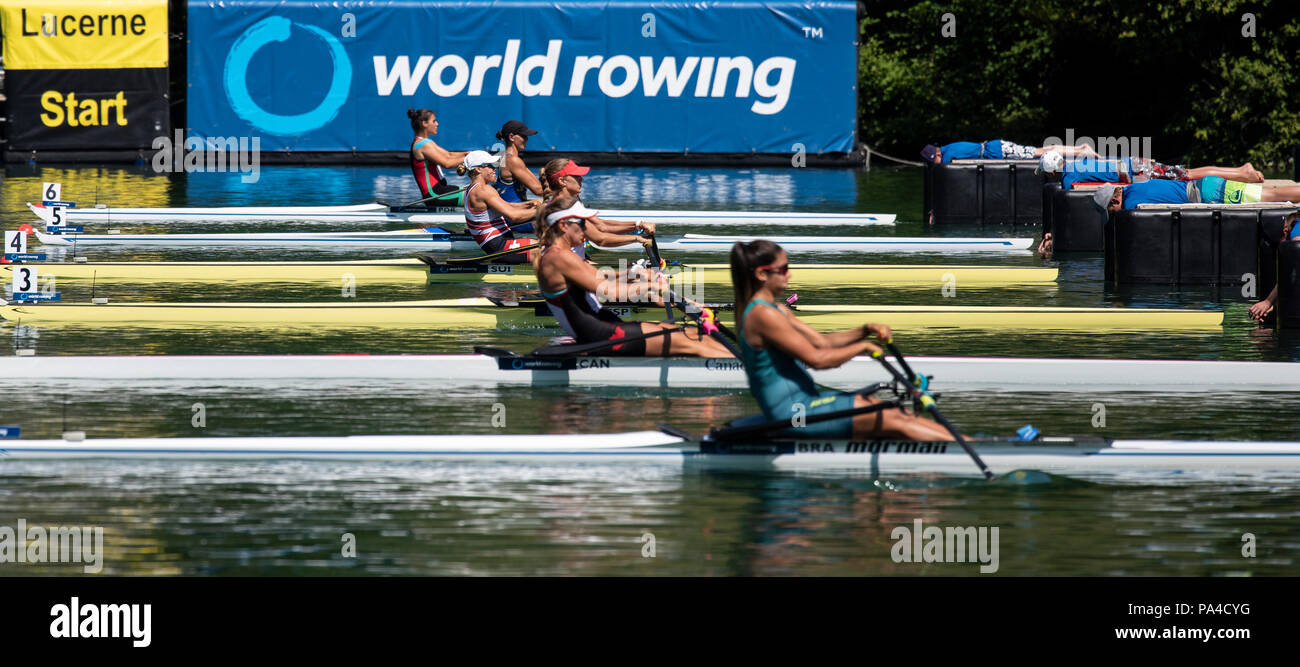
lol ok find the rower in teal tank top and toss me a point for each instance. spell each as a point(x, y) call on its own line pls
point(779, 383)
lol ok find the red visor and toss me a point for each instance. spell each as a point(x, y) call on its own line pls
point(570, 169)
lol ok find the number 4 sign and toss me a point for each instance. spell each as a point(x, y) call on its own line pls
point(15, 243)
point(16, 248)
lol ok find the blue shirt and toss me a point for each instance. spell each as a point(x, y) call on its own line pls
point(1089, 170)
point(969, 150)
point(1157, 191)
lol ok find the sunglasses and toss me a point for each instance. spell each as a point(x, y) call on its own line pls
point(581, 222)
point(784, 269)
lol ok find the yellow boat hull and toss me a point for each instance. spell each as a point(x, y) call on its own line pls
point(414, 272)
point(387, 271)
point(478, 313)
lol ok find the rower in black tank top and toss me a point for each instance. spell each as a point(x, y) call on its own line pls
point(573, 308)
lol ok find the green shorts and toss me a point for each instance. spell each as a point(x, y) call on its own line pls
point(828, 401)
point(1217, 190)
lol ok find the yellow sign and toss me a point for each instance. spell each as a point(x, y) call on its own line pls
point(84, 34)
point(86, 112)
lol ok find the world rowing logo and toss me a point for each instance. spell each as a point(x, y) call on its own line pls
point(277, 29)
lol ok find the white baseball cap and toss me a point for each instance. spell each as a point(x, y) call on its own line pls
point(578, 210)
point(1052, 162)
point(481, 159)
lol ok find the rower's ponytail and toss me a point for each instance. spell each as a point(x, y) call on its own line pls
point(418, 116)
point(745, 257)
point(552, 167)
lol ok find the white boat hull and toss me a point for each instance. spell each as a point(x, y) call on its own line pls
point(419, 240)
point(950, 373)
point(381, 214)
point(1060, 456)
point(878, 244)
point(412, 240)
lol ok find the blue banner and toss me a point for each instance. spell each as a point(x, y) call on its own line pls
point(676, 77)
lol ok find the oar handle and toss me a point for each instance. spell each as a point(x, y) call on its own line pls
point(652, 251)
point(928, 403)
point(708, 321)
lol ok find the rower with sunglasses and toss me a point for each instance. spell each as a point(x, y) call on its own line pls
point(488, 217)
point(514, 179)
point(563, 177)
point(571, 287)
point(776, 346)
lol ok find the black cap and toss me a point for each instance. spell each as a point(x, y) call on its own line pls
point(515, 127)
point(927, 153)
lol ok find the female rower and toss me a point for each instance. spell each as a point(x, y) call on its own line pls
point(571, 286)
point(488, 216)
point(563, 178)
point(516, 179)
point(773, 342)
point(433, 184)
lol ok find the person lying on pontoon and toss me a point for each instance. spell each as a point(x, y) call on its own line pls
point(997, 149)
point(1136, 170)
point(1208, 190)
point(1290, 232)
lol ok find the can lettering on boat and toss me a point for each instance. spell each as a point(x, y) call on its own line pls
point(723, 365)
point(593, 363)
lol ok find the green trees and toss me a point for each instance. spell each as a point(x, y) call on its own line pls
point(1210, 82)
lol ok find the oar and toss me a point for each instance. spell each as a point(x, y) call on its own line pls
point(457, 191)
point(652, 251)
point(705, 318)
point(920, 391)
point(495, 255)
point(708, 321)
